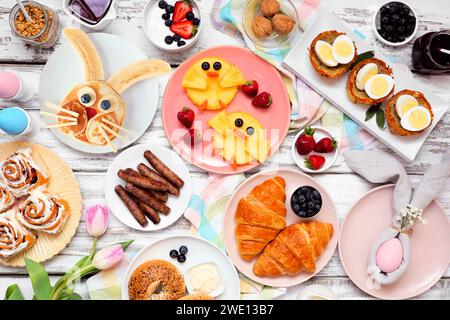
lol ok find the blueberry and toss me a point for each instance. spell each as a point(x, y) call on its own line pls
point(295, 199)
point(250, 131)
point(181, 43)
point(389, 28)
point(317, 207)
point(162, 4)
point(168, 23)
point(302, 213)
point(401, 29)
point(169, 9)
point(238, 122)
point(196, 21)
point(176, 38)
point(168, 40)
point(316, 194)
point(402, 21)
point(85, 98)
point(311, 205)
point(183, 250)
point(173, 253)
point(301, 198)
point(217, 66)
point(205, 66)
point(165, 16)
point(310, 213)
point(181, 258)
point(190, 16)
point(105, 104)
point(412, 20)
point(304, 205)
point(296, 208)
point(384, 20)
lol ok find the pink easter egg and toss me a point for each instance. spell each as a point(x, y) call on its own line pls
point(389, 255)
point(9, 84)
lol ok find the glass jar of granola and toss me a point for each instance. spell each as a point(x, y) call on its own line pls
point(42, 31)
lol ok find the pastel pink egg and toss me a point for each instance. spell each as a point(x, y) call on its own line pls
point(9, 84)
point(389, 255)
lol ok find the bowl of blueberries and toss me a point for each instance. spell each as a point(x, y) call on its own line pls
point(306, 202)
point(172, 25)
point(395, 23)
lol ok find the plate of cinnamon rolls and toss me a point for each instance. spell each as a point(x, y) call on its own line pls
point(267, 241)
point(40, 203)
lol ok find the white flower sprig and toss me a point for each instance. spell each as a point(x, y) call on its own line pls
point(409, 215)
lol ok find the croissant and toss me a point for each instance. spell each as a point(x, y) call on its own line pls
point(20, 174)
point(260, 216)
point(295, 249)
point(13, 237)
point(43, 211)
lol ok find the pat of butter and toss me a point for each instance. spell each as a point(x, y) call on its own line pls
point(205, 279)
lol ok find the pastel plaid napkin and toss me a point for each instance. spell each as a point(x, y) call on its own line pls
point(205, 212)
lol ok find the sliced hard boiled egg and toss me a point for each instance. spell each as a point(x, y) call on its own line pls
point(365, 73)
point(343, 49)
point(379, 86)
point(323, 51)
point(405, 103)
point(416, 119)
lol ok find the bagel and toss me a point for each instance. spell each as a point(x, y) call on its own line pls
point(197, 297)
point(392, 118)
point(360, 96)
point(322, 69)
point(156, 280)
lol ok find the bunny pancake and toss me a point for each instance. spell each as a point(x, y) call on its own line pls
point(212, 83)
point(93, 111)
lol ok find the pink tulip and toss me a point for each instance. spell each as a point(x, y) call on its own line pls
point(96, 220)
point(108, 257)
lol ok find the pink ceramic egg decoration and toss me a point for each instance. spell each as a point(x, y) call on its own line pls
point(390, 255)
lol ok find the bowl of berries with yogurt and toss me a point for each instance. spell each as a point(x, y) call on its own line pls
point(172, 25)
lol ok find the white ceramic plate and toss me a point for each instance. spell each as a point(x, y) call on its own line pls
point(334, 90)
point(200, 251)
point(330, 158)
point(130, 158)
point(65, 70)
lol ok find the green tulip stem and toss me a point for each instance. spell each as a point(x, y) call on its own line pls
point(94, 247)
point(76, 275)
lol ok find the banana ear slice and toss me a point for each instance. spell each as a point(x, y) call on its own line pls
point(93, 68)
point(138, 71)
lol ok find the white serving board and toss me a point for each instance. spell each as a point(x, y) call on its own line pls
point(334, 90)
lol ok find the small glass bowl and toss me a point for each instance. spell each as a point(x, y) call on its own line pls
point(275, 40)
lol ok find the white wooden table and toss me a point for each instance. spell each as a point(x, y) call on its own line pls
point(345, 187)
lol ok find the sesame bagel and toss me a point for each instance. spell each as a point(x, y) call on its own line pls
point(360, 96)
point(392, 118)
point(156, 280)
point(322, 69)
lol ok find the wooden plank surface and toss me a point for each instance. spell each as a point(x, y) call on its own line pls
point(344, 186)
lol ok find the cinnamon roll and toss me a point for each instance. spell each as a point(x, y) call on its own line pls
point(6, 199)
point(13, 237)
point(43, 211)
point(20, 174)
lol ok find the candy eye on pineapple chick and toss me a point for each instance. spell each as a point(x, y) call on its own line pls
point(212, 83)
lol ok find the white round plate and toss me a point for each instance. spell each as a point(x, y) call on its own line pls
point(200, 251)
point(330, 158)
point(130, 158)
point(64, 70)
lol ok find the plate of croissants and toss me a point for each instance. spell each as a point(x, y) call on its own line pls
point(280, 227)
point(40, 203)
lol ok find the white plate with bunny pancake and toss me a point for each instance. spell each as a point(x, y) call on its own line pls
point(70, 77)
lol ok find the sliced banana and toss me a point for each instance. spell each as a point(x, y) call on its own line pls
point(93, 68)
point(86, 96)
point(138, 71)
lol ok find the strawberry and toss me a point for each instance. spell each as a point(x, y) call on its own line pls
point(184, 29)
point(180, 10)
point(325, 145)
point(262, 100)
point(314, 162)
point(192, 137)
point(186, 117)
point(250, 88)
point(90, 112)
point(306, 143)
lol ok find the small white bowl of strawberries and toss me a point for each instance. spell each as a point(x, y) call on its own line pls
point(315, 149)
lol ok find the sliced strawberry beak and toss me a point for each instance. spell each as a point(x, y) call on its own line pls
point(239, 134)
point(213, 74)
point(90, 112)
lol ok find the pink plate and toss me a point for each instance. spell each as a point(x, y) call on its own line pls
point(274, 119)
point(430, 245)
point(294, 179)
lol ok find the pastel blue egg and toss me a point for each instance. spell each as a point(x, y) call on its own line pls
point(13, 121)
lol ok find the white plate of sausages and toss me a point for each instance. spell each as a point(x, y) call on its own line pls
point(148, 187)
